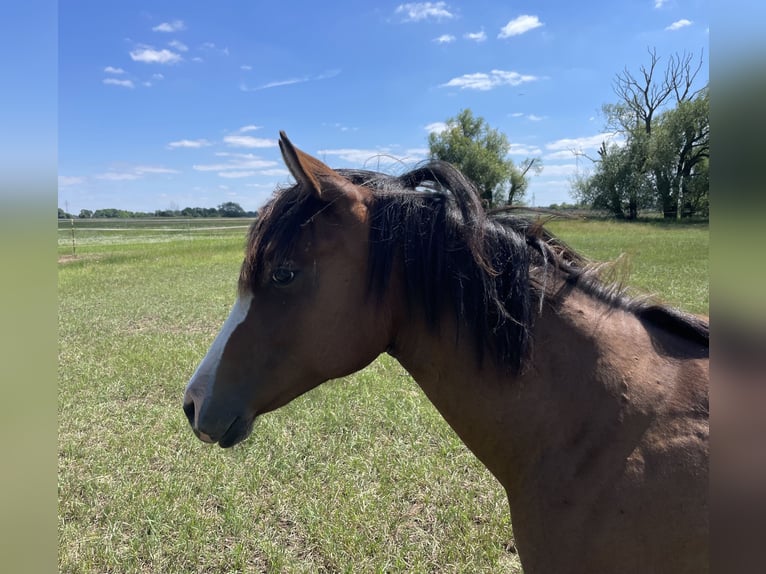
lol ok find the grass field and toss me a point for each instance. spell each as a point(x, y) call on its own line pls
point(359, 475)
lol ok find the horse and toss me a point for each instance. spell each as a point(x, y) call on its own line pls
point(588, 404)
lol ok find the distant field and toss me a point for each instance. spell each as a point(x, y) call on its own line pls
point(88, 232)
point(669, 260)
point(359, 475)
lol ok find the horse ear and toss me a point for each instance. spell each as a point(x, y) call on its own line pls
point(314, 175)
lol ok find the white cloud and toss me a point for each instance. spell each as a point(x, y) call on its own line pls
point(416, 154)
point(113, 70)
point(565, 169)
point(180, 46)
point(519, 26)
point(65, 180)
point(328, 74)
point(483, 82)
point(274, 172)
point(232, 174)
point(174, 26)
point(659, 3)
point(117, 176)
point(444, 39)
point(678, 24)
point(158, 76)
point(278, 83)
point(249, 142)
point(121, 83)
point(353, 155)
point(249, 128)
point(436, 127)
point(149, 55)
point(376, 158)
point(563, 154)
point(193, 144)
point(275, 84)
point(525, 150)
point(416, 11)
point(238, 162)
point(476, 36)
point(142, 169)
point(134, 173)
point(581, 144)
point(226, 166)
point(237, 155)
point(245, 67)
point(530, 117)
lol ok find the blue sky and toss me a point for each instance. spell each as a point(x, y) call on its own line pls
point(169, 104)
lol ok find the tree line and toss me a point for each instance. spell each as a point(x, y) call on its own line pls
point(227, 209)
point(659, 159)
point(661, 162)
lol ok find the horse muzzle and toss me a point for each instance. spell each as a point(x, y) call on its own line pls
point(224, 428)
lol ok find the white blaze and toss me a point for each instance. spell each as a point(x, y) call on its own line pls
point(205, 373)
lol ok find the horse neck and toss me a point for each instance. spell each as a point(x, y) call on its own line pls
point(510, 423)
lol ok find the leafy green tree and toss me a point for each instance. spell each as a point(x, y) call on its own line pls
point(85, 214)
point(480, 152)
point(111, 213)
point(618, 185)
point(663, 163)
point(231, 209)
point(679, 156)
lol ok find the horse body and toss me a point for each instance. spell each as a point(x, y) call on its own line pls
point(596, 426)
point(605, 470)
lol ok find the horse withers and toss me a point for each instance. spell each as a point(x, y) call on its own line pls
point(589, 406)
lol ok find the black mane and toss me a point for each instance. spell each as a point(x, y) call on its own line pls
point(493, 270)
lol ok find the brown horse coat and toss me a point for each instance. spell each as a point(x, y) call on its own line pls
point(591, 409)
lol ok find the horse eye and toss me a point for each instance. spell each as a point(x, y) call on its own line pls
point(282, 276)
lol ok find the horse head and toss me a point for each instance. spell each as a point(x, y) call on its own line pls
point(302, 315)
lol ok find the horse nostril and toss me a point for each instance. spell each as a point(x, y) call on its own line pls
point(189, 410)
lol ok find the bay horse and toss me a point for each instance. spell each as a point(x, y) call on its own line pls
point(588, 405)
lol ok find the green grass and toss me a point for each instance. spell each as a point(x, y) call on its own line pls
point(667, 260)
point(360, 475)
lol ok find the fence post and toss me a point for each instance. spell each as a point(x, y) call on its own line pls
point(74, 247)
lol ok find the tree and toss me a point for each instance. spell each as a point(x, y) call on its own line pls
point(679, 157)
point(86, 214)
point(663, 119)
point(111, 212)
point(519, 180)
point(480, 152)
point(617, 185)
point(231, 209)
point(642, 98)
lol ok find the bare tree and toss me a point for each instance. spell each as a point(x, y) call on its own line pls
point(662, 113)
point(519, 180)
point(642, 96)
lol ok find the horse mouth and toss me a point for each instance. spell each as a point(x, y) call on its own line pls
point(238, 431)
